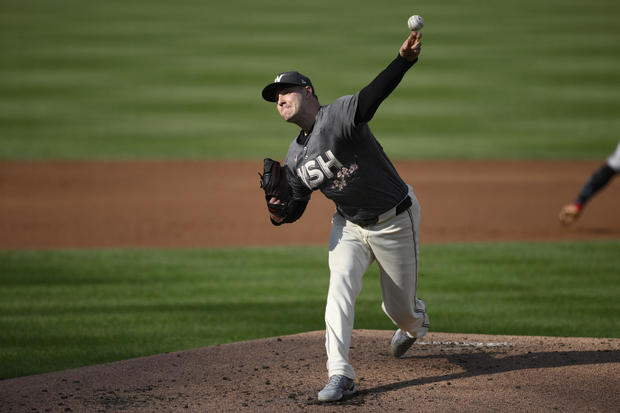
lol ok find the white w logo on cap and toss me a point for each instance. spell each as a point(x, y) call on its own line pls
point(278, 78)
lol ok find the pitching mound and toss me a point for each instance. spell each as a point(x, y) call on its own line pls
point(442, 372)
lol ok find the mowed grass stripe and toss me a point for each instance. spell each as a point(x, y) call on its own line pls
point(62, 309)
point(152, 79)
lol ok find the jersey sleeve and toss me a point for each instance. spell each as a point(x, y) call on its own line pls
point(298, 191)
point(342, 115)
point(380, 88)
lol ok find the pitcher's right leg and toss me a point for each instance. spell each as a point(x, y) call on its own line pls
point(349, 258)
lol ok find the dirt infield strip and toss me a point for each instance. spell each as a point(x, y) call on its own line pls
point(201, 204)
point(205, 204)
point(444, 372)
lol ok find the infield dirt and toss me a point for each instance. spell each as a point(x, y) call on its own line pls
point(206, 204)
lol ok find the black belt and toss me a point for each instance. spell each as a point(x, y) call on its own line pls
point(404, 205)
point(399, 209)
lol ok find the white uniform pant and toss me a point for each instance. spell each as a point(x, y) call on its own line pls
point(614, 159)
point(394, 244)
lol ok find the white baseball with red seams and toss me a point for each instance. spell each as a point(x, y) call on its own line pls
point(415, 23)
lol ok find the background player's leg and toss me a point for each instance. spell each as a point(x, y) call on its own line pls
point(395, 246)
point(349, 258)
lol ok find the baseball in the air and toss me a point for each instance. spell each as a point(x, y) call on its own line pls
point(415, 22)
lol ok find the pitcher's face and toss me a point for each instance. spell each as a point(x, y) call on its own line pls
point(290, 101)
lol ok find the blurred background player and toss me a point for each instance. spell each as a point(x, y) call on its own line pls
point(570, 212)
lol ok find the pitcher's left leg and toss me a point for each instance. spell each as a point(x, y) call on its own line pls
point(395, 246)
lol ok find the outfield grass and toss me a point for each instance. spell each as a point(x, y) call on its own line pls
point(63, 309)
point(118, 79)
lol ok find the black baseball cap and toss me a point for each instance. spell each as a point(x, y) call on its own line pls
point(284, 80)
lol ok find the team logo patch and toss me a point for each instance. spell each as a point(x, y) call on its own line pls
point(314, 173)
point(343, 176)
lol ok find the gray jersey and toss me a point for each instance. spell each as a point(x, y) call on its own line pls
point(346, 163)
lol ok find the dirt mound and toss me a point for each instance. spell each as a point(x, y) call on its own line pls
point(442, 372)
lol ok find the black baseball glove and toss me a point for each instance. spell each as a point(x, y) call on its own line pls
point(273, 182)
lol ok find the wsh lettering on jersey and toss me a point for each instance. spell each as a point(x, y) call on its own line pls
point(314, 172)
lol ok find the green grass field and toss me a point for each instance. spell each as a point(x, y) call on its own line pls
point(62, 309)
point(535, 79)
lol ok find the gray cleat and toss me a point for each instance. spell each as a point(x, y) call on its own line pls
point(337, 387)
point(401, 342)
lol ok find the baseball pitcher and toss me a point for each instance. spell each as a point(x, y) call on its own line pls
point(377, 214)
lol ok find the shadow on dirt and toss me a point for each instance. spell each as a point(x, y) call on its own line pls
point(485, 363)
